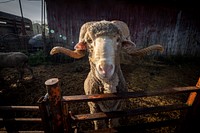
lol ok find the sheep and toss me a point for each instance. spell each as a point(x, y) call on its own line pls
point(104, 41)
point(16, 60)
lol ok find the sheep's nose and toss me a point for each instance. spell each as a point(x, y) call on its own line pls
point(105, 69)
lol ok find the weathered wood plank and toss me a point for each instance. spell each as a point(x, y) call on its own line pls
point(24, 132)
point(19, 108)
point(23, 120)
point(138, 111)
point(111, 96)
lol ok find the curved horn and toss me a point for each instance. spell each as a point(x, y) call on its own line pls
point(74, 54)
point(80, 48)
point(144, 51)
point(123, 27)
point(83, 30)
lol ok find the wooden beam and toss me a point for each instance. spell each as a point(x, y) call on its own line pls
point(23, 120)
point(25, 132)
point(138, 111)
point(192, 95)
point(114, 96)
point(19, 108)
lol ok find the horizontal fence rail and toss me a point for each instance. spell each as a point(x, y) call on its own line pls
point(10, 119)
point(19, 108)
point(25, 132)
point(126, 95)
point(23, 120)
point(138, 111)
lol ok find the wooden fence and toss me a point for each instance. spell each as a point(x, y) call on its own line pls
point(55, 116)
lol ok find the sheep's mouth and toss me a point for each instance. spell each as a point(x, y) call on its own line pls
point(105, 76)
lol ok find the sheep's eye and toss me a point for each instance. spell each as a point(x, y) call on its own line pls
point(118, 39)
point(89, 40)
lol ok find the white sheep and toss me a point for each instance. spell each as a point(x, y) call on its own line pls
point(104, 40)
point(16, 60)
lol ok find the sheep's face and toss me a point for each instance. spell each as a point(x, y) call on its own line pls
point(103, 53)
point(103, 40)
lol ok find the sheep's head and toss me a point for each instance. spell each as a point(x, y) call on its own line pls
point(103, 41)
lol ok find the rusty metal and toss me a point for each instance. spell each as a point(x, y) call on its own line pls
point(54, 98)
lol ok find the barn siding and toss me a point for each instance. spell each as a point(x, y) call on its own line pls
point(176, 28)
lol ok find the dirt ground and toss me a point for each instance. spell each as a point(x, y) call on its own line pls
point(143, 74)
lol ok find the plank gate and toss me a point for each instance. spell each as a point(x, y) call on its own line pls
point(56, 118)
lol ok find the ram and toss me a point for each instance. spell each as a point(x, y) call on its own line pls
point(104, 41)
point(16, 60)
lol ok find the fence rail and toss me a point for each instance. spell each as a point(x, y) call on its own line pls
point(56, 117)
point(126, 95)
point(19, 108)
point(11, 120)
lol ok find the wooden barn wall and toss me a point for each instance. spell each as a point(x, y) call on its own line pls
point(176, 28)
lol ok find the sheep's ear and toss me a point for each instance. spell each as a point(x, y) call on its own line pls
point(128, 44)
point(80, 46)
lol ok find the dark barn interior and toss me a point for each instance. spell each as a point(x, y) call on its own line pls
point(174, 24)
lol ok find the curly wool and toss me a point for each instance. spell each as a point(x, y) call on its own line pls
point(104, 28)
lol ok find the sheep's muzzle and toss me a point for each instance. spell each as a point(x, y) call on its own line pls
point(104, 56)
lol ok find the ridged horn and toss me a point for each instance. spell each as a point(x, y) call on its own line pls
point(74, 54)
point(144, 51)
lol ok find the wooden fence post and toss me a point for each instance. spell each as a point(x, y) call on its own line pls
point(192, 117)
point(56, 110)
point(66, 118)
point(54, 97)
point(194, 100)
